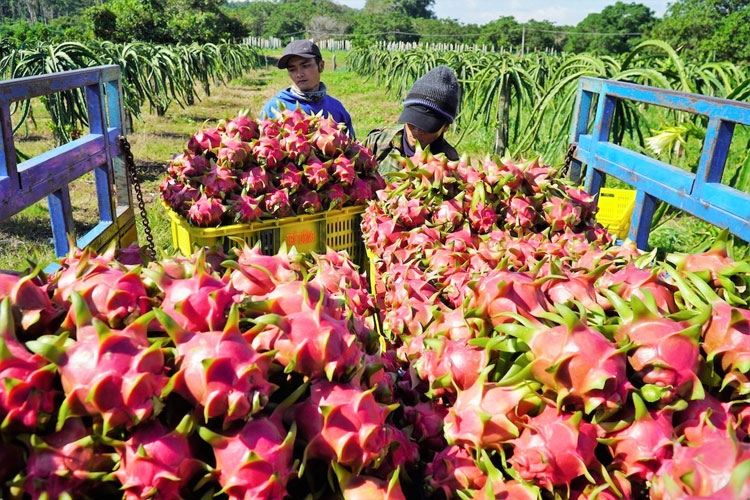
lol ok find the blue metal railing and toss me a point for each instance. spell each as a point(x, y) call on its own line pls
point(50, 173)
point(701, 194)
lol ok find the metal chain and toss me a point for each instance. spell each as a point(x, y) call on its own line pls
point(568, 159)
point(130, 166)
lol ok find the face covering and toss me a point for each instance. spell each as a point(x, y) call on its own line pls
point(312, 95)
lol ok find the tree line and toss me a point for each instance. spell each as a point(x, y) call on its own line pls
point(704, 30)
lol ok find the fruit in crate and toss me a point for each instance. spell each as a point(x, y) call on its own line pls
point(244, 170)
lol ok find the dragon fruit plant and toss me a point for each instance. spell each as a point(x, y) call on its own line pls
point(244, 170)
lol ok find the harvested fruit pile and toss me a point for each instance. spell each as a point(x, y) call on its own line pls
point(243, 170)
point(509, 350)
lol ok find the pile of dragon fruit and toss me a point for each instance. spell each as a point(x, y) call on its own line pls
point(244, 170)
point(506, 348)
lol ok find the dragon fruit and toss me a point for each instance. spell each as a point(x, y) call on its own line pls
point(254, 461)
point(329, 137)
point(290, 178)
point(296, 145)
point(27, 394)
point(205, 139)
point(219, 370)
point(157, 462)
point(343, 423)
point(115, 376)
point(554, 448)
point(218, 180)
point(198, 300)
point(277, 202)
point(242, 127)
point(63, 464)
point(111, 292)
point(315, 172)
point(256, 274)
point(186, 165)
point(453, 469)
point(487, 414)
point(246, 208)
point(366, 487)
point(255, 180)
point(269, 152)
point(32, 309)
point(206, 211)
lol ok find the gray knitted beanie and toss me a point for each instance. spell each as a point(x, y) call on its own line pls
point(437, 90)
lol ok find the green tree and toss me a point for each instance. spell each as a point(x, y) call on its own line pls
point(542, 36)
point(703, 29)
point(502, 32)
point(391, 27)
point(444, 31)
point(410, 8)
point(615, 30)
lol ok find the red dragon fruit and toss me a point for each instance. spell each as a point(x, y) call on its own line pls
point(255, 274)
point(242, 127)
point(487, 414)
point(450, 365)
point(113, 375)
point(268, 151)
point(278, 203)
point(255, 180)
point(639, 449)
point(307, 201)
point(32, 309)
point(157, 462)
point(329, 137)
point(206, 211)
point(205, 139)
point(219, 370)
point(219, 180)
point(453, 469)
point(63, 464)
point(296, 145)
point(246, 208)
point(343, 170)
point(290, 178)
point(554, 448)
point(343, 423)
point(27, 395)
point(316, 172)
point(186, 165)
point(365, 487)
point(254, 461)
point(199, 300)
point(111, 292)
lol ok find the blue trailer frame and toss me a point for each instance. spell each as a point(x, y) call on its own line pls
point(50, 174)
point(701, 194)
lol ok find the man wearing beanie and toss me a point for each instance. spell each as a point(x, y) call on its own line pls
point(304, 63)
point(429, 108)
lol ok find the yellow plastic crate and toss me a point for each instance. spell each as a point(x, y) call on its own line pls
point(338, 229)
point(615, 210)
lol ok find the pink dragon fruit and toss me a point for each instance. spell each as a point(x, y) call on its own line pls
point(63, 464)
point(157, 462)
point(450, 365)
point(664, 354)
point(206, 212)
point(198, 300)
point(364, 162)
point(112, 375)
point(482, 217)
point(334, 196)
point(277, 203)
point(315, 172)
point(554, 448)
point(448, 215)
point(360, 191)
point(111, 292)
point(269, 152)
point(256, 275)
point(521, 213)
point(205, 139)
point(343, 423)
point(233, 153)
point(561, 213)
point(329, 137)
point(219, 180)
point(32, 309)
point(178, 196)
point(307, 201)
point(242, 127)
point(27, 394)
point(290, 178)
point(297, 146)
point(453, 469)
point(639, 449)
point(717, 468)
point(366, 487)
point(254, 461)
point(343, 170)
point(255, 180)
point(487, 414)
point(246, 208)
point(187, 165)
point(219, 370)
point(309, 341)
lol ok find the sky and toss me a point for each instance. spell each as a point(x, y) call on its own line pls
point(560, 12)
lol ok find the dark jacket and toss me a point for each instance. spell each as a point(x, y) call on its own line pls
point(329, 105)
point(384, 141)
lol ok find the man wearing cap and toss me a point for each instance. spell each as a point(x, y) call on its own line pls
point(304, 63)
point(429, 108)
